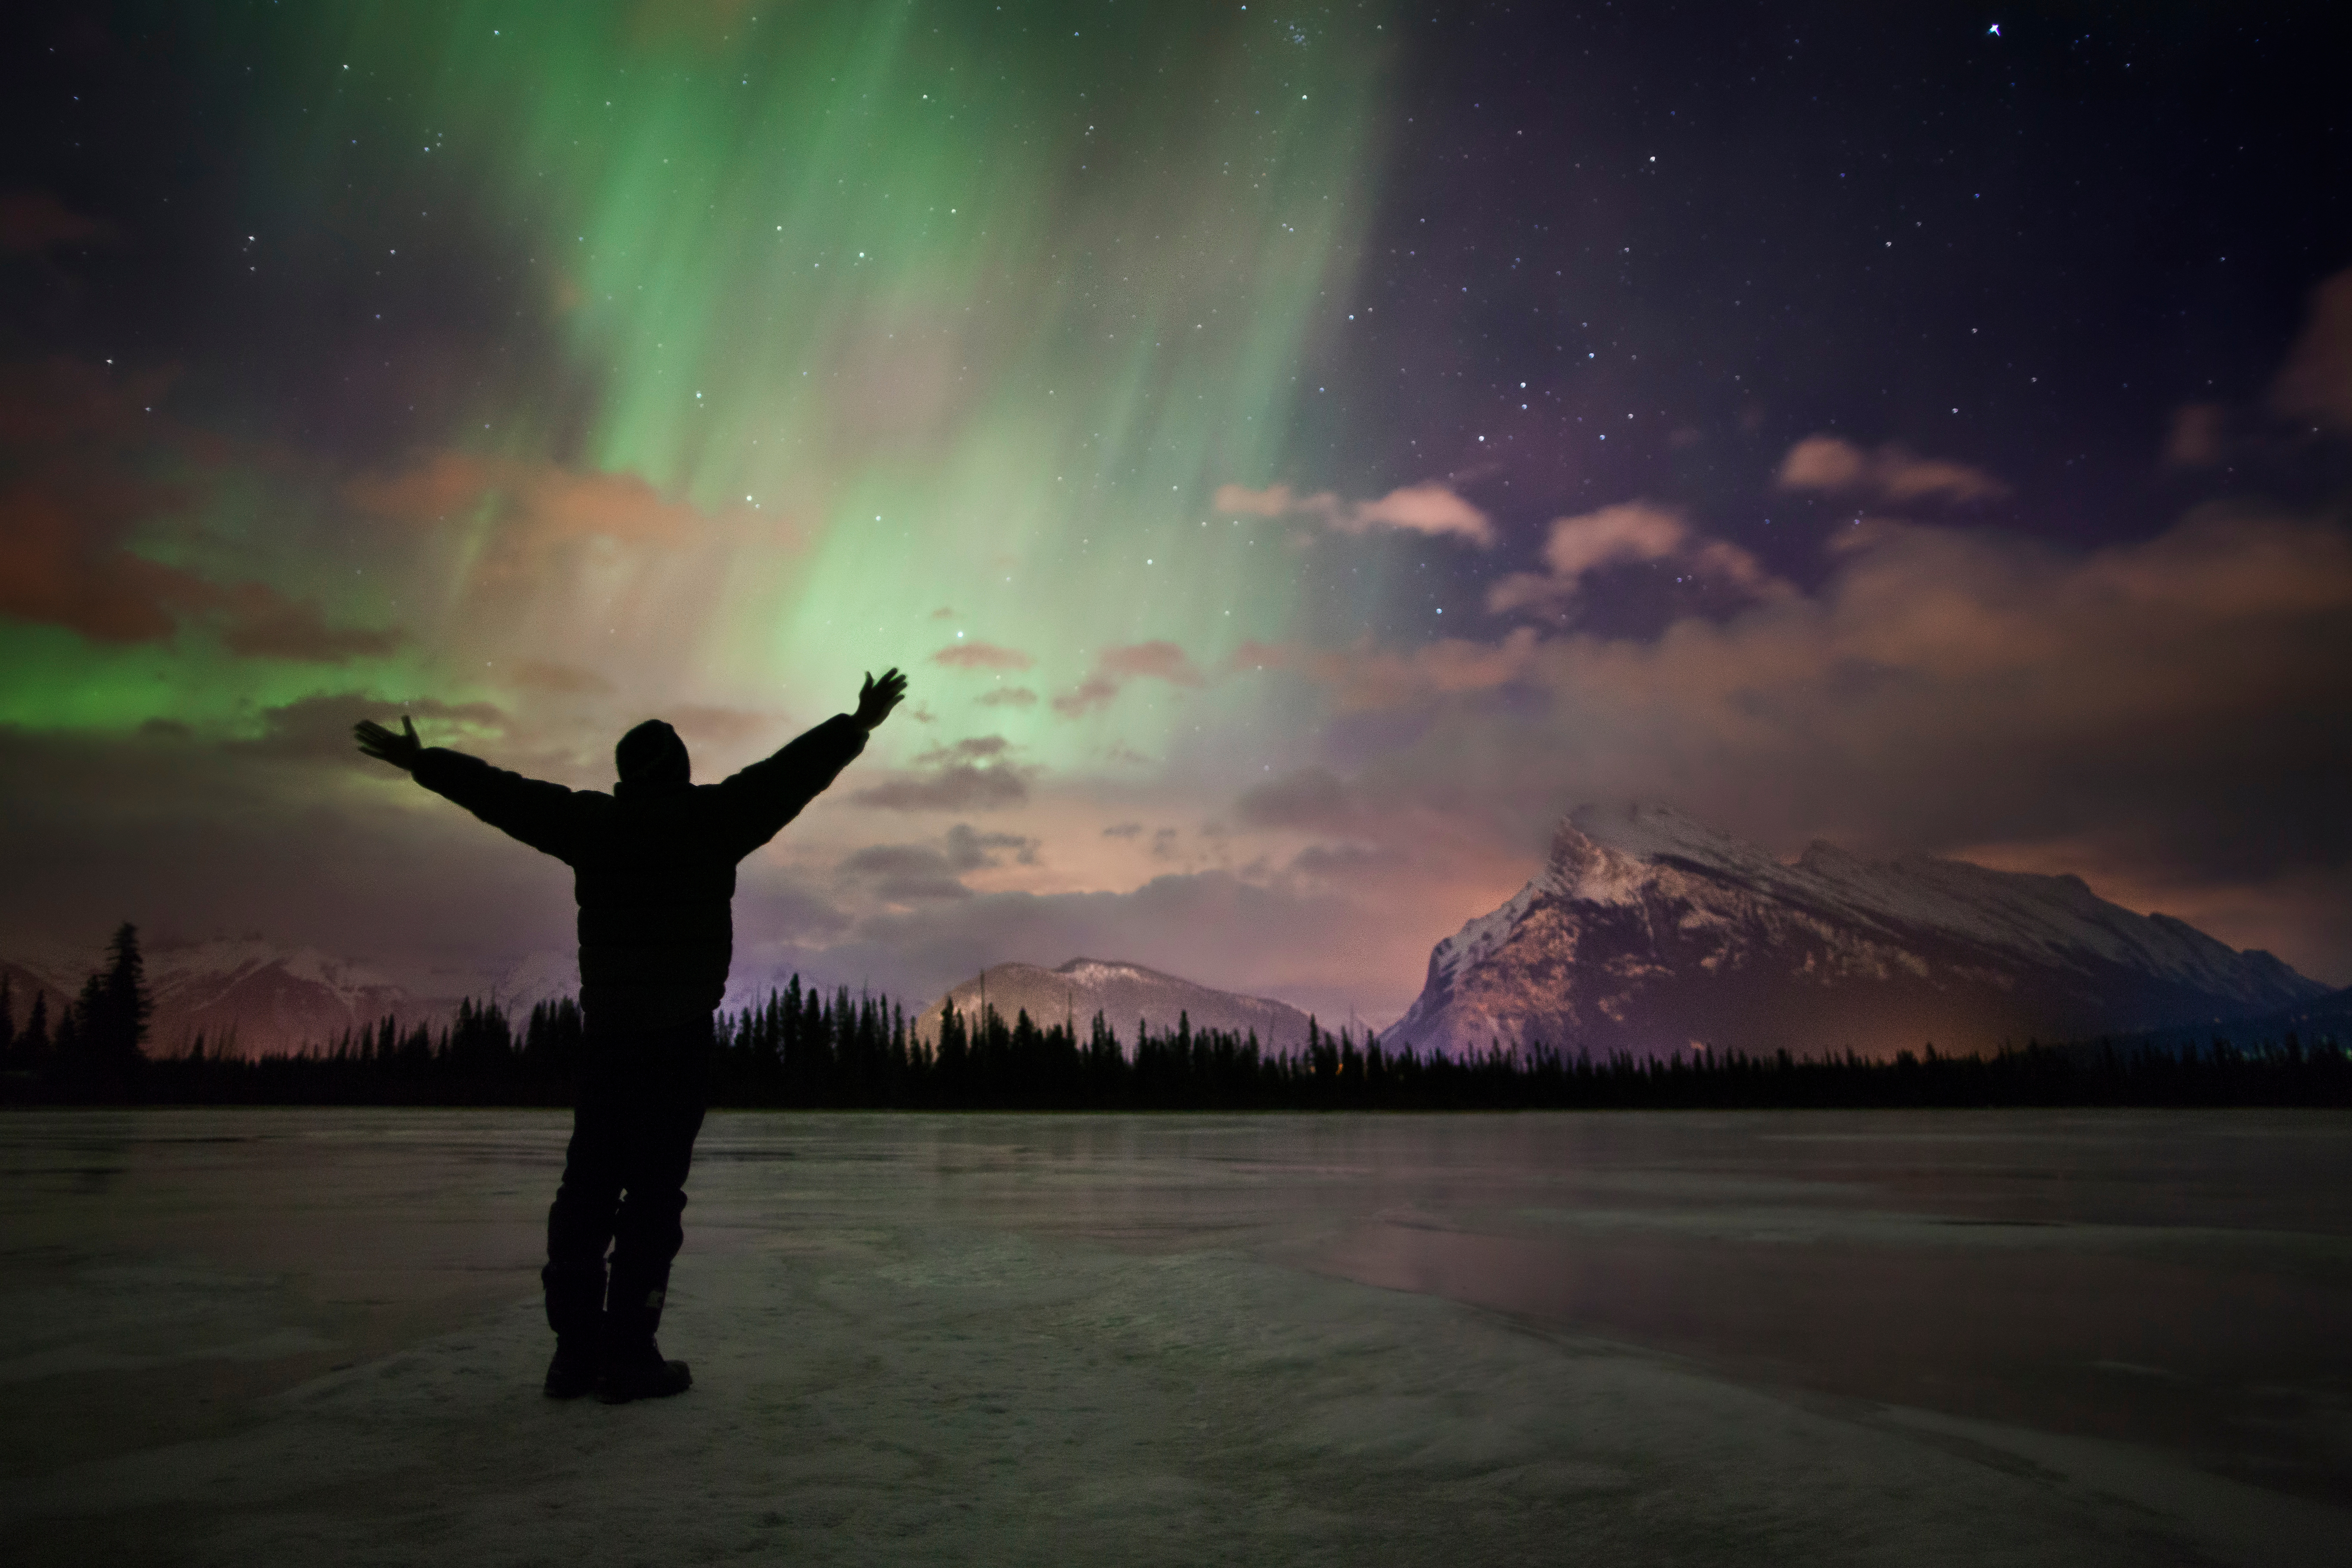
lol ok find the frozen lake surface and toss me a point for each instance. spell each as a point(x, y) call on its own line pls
point(313, 1336)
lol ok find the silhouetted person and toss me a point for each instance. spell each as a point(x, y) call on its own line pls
point(654, 869)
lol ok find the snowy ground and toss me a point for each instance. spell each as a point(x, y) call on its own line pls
point(311, 1337)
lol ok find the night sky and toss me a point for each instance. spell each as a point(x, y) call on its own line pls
point(1296, 452)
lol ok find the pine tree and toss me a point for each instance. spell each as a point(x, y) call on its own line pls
point(34, 1043)
point(7, 1021)
point(119, 1032)
point(64, 1044)
point(80, 1051)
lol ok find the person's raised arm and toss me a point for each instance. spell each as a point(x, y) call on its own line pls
point(543, 815)
point(767, 795)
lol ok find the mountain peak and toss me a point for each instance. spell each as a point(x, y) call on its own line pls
point(1122, 993)
point(1602, 852)
point(1647, 929)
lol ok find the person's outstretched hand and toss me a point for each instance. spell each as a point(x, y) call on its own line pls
point(877, 698)
point(400, 751)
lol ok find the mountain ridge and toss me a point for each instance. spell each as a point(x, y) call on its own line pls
point(1123, 992)
point(1650, 931)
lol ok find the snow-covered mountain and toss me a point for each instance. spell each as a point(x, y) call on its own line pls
point(27, 980)
point(1122, 993)
point(263, 997)
point(1650, 932)
point(257, 998)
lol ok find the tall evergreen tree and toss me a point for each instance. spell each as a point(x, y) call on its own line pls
point(32, 1045)
point(65, 1041)
point(116, 1007)
point(7, 1021)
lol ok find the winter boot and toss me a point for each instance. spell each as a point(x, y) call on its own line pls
point(575, 1370)
point(576, 1295)
point(634, 1367)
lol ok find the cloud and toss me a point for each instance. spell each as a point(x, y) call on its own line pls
point(1628, 534)
point(1115, 666)
point(535, 509)
point(561, 680)
point(318, 729)
point(1367, 678)
point(82, 480)
point(34, 221)
point(1311, 797)
point(1006, 697)
point(1418, 509)
point(292, 834)
point(1348, 862)
point(1827, 463)
point(2198, 436)
point(2315, 383)
point(260, 622)
point(973, 749)
point(2172, 700)
point(1304, 946)
point(981, 656)
point(969, 850)
point(1430, 508)
point(1823, 463)
point(1273, 501)
point(960, 786)
point(911, 873)
point(1123, 830)
point(906, 873)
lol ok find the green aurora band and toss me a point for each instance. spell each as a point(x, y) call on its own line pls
point(915, 307)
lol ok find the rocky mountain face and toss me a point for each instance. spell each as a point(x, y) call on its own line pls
point(1649, 933)
point(1122, 993)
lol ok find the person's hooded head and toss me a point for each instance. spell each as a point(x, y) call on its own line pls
point(651, 757)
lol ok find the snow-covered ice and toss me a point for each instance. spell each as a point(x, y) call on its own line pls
point(312, 1336)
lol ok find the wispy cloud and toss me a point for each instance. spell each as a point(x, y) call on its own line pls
point(1115, 666)
point(1430, 508)
point(2198, 436)
point(981, 656)
point(1889, 473)
point(79, 450)
point(2315, 383)
point(972, 774)
point(1630, 533)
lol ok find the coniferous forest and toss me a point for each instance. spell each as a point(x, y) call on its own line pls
point(805, 1048)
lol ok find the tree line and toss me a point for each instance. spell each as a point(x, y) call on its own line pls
point(809, 1049)
point(96, 1046)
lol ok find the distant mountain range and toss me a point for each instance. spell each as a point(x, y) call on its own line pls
point(264, 998)
point(1644, 932)
point(1123, 994)
point(1649, 933)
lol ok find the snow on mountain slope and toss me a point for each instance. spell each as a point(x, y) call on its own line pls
point(253, 996)
point(1122, 993)
point(1649, 931)
point(264, 997)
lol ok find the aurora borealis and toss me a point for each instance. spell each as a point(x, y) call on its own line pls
point(1296, 457)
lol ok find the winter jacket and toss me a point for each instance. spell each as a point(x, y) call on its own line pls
point(653, 864)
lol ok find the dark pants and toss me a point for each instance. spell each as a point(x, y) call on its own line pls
point(641, 1104)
